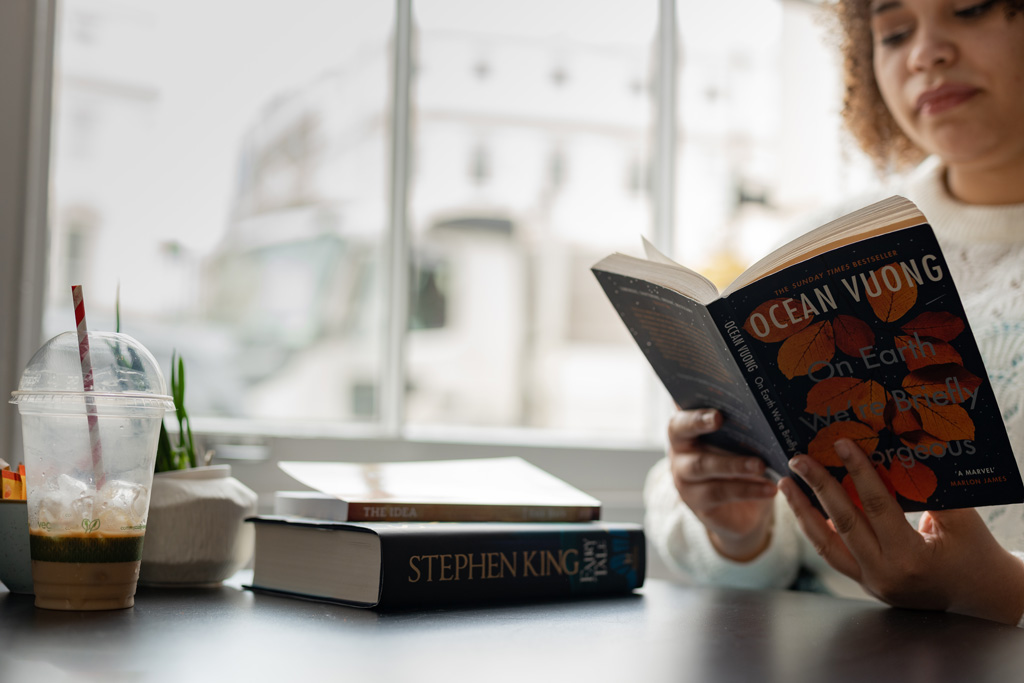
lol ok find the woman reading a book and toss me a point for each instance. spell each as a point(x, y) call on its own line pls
point(940, 81)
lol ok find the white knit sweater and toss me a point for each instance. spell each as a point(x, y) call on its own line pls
point(984, 248)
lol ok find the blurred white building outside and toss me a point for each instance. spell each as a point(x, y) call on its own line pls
point(253, 243)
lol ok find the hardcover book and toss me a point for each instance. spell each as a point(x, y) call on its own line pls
point(400, 565)
point(470, 490)
point(853, 330)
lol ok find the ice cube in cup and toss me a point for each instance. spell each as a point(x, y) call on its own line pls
point(61, 502)
point(122, 505)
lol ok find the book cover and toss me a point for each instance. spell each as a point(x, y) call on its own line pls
point(402, 565)
point(867, 340)
point(506, 489)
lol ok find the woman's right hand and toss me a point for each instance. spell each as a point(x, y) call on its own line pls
point(729, 493)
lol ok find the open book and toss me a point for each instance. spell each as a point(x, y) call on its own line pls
point(853, 330)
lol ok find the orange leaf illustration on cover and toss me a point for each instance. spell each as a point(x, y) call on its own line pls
point(916, 482)
point(852, 334)
point(947, 423)
point(822, 447)
point(860, 396)
point(917, 356)
point(851, 488)
point(937, 324)
point(806, 349)
point(784, 327)
point(941, 384)
point(923, 442)
point(901, 421)
point(879, 286)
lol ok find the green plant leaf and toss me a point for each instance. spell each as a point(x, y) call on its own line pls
point(191, 447)
point(183, 455)
point(179, 396)
point(163, 450)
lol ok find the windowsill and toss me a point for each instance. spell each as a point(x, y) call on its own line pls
point(613, 471)
point(249, 431)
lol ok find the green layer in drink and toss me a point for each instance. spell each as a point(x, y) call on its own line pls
point(85, 548)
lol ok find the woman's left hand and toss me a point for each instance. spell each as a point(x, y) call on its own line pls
point(950, 562)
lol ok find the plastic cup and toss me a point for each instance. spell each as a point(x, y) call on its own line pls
point(87, 514)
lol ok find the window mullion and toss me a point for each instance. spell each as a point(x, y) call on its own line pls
point(664, 167)
point(664, 152)
point(396, 302)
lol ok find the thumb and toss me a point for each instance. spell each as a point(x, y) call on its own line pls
point(691, 423)
point(687, 425)
point(964, 520)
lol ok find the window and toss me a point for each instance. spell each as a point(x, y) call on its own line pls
point(542, 190)
point(263, 165)
point(377, 219)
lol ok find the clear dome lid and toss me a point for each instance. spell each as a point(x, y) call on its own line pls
point(123, 369)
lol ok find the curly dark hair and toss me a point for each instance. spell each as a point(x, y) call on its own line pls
point(864, 112)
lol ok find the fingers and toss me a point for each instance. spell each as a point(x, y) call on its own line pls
point(891, 531)
point(704, 465)
point(686, 425)
point(852, 526)
point(822, 536)
point(695, 461)
point(707, 496)
point(958, 522)
point(705, 476)
point(705, 479)
point(879, 506)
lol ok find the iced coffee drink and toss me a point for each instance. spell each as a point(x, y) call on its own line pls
point(85, 571)
point(89, 457)
point(86, 545)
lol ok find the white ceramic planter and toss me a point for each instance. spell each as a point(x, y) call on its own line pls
point(196, 534)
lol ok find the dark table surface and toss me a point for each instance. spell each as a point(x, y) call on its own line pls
point(665, 632)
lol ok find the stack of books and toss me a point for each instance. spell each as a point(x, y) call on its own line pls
point(411, 534)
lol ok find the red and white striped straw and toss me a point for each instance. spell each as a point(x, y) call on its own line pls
point(87, 383)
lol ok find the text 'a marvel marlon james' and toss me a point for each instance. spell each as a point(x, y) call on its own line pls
point(854, 330)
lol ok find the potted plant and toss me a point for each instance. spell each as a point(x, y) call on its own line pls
point(195, 534)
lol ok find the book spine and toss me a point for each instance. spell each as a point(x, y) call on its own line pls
point(765, 392)
point(528, 562)
point(426, 512)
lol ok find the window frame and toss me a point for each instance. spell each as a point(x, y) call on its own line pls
point(27, 33)
point(612, 471)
